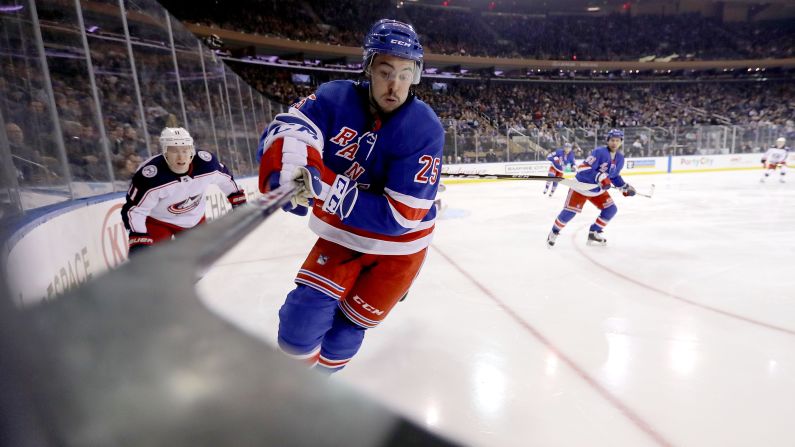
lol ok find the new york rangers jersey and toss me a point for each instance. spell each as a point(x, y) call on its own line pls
point(177, 199)
point(560, 159)
point(776, 155)
point(396, 160)
point(601, 161)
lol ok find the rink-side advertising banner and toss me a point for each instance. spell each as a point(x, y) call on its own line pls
point(632, 166)
point(65, 251)
point(728, 162)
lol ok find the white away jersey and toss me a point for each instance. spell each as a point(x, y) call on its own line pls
point(177, 199)
point(775, 155)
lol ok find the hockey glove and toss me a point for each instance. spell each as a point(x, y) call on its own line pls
point(307, 179)
point(289, 160)
point(628, 190)
point(308, 187)
point(137, 242)
point(236, 199)
point(341, 197)
point(604, 181)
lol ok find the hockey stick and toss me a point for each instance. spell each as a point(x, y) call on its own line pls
point(241, 221)
point(651, 191)
point(275, 199)
point(581, 187)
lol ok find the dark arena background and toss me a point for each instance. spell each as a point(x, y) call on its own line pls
point(680, 332)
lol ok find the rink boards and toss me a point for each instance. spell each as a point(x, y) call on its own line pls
point(65, 245)
point(71, 243)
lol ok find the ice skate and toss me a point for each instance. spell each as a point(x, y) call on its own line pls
point(551, 237)
point(596, 238)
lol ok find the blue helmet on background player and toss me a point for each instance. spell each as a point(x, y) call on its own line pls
point(615, 133)
point(395, 38)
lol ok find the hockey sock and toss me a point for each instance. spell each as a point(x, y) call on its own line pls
point(340, 344)
point(563, 218)
point(604, 218)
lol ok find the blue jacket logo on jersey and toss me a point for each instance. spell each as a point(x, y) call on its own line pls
point(149, 171)
point(186, 205)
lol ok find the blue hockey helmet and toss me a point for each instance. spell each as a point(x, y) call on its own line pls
point(615, 133)
point(395, 38)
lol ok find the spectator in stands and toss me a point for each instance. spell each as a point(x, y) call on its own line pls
point(521, 34)
point(31, 166)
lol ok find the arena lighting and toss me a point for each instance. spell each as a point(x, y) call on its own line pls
point(592, 8)
point(10, 8)
point(92, 29)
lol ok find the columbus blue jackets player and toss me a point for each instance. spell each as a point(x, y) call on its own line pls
point(367, 156)
point(166, 195)
point(603, 169)
point(776, 157)
point(560, 159)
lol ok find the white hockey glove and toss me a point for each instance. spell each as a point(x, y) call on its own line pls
point(308, 184)
point(341, 197)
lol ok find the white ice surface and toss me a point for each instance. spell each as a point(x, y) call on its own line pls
point(680, 332)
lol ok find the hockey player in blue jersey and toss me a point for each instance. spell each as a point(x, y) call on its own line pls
point(603, 169)
point(560, 158)
point(366, 157)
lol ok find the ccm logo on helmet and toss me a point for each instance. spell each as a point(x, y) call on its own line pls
point(400, 42)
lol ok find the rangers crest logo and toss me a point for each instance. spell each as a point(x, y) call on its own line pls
point(186, 205)
point(206, 156)
point(149, 171)
point(367, 141)
point(322, 259)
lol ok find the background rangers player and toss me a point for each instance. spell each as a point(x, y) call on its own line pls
point(560, 158)
point(368, 155)
point(776, 157)
point(166, 195)
point(602, 168)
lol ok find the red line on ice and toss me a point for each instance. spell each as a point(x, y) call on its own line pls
point(593, 383)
